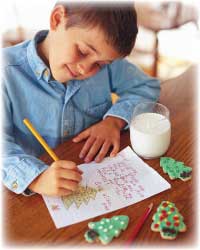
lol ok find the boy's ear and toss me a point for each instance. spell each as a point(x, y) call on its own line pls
point(58, 16)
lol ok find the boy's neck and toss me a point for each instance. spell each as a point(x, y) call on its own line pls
point(43, 50)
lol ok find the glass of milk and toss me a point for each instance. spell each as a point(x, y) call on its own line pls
point(150, 130)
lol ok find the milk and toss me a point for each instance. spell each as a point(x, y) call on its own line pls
point(150, 134)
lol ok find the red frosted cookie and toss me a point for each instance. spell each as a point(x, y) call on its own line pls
point(168, 221)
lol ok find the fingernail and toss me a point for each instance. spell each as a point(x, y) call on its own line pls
point(81, 156)
point(80, 171)
point(97, 159)
point(87, 159)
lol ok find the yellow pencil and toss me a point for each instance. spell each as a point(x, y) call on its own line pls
point(40, 139)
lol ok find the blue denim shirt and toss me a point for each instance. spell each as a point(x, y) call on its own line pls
point(58, 111)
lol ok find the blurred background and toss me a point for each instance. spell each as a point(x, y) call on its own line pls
point(167, 44)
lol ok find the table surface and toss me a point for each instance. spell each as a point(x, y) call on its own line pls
point(26, 220)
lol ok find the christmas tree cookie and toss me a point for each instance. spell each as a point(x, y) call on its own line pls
point(168, 221)
point(175, 169)
point(106, 229)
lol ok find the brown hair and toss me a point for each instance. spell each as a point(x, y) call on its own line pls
point(118, 21)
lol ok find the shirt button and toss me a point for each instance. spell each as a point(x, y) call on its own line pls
point(65, 133)
point(37, 73)
point(46, 73)
point(15, 185)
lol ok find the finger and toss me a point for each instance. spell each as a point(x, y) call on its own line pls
point(86, 146)
point(83, 135)
point(70, 175)
point(116, 147)
point(67, 164)
point(102, 153)
point(67, 184)
point(93, 150)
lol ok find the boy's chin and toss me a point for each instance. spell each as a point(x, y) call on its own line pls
point(64, 79)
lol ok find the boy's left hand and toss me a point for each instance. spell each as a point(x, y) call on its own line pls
point(100, 137)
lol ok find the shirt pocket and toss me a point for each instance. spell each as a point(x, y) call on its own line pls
point(99, 110)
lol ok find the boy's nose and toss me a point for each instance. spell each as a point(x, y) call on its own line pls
point(80, 69)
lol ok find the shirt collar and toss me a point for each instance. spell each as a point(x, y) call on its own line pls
point(38, 66)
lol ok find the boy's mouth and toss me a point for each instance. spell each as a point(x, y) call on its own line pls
point(73, 74)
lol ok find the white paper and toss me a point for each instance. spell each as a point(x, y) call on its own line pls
point(120, 181)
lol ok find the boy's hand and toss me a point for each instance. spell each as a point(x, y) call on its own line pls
point(100, 137)
point(61, 178)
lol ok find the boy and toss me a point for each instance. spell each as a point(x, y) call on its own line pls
point(61, 81)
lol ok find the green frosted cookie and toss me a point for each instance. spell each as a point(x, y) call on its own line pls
point(168, 221)
point(106, 229)
point(175, 169)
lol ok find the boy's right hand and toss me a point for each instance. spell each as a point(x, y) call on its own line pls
point(61, 178)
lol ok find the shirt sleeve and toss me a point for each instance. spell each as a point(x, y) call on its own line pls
point(132, 86)
point(19, 169)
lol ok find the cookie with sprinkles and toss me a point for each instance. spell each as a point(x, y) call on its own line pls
point(168, 221)
point(175, 169)
point(106, 229)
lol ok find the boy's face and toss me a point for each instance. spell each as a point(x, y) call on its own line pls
point(76, 52)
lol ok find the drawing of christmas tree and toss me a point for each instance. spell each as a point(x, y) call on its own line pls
point(81, 196)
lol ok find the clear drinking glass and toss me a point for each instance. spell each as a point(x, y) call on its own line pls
point(150, 130)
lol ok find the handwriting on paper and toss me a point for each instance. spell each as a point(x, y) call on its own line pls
point(123, 179)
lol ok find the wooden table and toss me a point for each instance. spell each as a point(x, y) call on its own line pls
point(28, 222)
